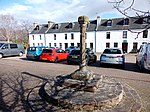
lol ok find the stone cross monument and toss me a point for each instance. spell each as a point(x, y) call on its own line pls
point(83, 21)
point(83, 73)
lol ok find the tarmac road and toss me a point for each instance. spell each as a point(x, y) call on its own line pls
point(15, 84)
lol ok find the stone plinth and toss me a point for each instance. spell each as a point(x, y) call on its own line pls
point(83, 75)
point(73, 94)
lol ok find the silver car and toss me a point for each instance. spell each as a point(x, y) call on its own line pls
point(113, 56)
point(143, 57)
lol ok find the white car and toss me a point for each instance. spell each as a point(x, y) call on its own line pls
point(143, 57)
point(113, 56)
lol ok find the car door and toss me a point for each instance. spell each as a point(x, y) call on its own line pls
point(14, 49)
point(5, 50)
point(148, 54)
point(140, 54)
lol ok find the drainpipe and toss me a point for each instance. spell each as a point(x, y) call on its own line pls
point(45, 39)
point(95, 39)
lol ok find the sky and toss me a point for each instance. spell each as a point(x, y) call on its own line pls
point(42, 11)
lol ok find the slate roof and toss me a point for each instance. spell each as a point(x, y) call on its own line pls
point(117, 24)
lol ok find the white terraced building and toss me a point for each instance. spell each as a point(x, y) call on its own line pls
point(101, 33)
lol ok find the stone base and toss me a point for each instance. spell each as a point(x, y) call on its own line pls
point(83, 75)
point(111, 96)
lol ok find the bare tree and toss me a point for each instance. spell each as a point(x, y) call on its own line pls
point(129, 11)
point(27, 27)
point(7, 26)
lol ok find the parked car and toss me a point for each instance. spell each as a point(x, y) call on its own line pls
point(11, 49)
point(69, 49)
point(33, 53)
point(113, 56)
point(74, 56)
point(143, 57)
point(54, 54)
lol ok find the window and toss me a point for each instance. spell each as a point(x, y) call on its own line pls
point(38, 44)
point(109, 23)
point(13, 46)
point(72, 44)
point(33, 37)
point(135, 45)
point(33, 44)
point(78, 44)
point(85, 35)
point(56, 26)
point(72, 36)
point(60, 44)
point(50, 44)
point(70, 25)
point(126, 21)
point(40, 37)
point(5, 46)
point(66, 45)
point(107, 45)
point(54, 36)
point(91, 45)
point(124, 34)
point(115, 44)
point(55, 44)
point(65, 36)
point(107, 35)
point(41, 44)
point(145, 33)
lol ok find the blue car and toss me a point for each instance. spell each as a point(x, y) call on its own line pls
point(33, 53)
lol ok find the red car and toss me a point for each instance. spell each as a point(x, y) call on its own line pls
point(54, 54)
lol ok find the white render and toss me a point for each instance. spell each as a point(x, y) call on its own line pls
point(99, 37)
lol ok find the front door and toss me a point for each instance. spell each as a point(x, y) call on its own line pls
point(125, 47)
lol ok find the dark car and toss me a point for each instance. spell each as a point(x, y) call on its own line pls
point(69, 49)
point(74, 56)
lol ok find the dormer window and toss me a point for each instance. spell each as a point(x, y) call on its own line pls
point(70, 25)
point(37, 27)
point(109, 23)
point(126, 21)
point(88, 25)
point(146, 20)
point(56, 26)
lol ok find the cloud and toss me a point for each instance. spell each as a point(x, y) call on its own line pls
point(14, 9)
point(35, 1)
point(68, 10)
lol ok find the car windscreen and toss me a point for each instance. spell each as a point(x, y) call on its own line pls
point(1, 44)
point(47, 51)
point(75, 52)
point(112, 51)
point(32, 49)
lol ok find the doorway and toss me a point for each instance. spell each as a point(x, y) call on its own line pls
point(125, 47)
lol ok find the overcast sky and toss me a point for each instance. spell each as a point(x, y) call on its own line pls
point(42, 11)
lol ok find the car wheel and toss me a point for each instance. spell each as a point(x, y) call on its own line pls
point(123, 66)
point(68, 62)
point(141, 67)
point(20, 54)
point(1, 56)
point(56, 60)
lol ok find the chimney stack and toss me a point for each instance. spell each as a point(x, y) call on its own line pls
point(35, 24)
point(98, 21)
point(50, 24)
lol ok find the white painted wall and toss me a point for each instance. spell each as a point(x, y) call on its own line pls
point(37, 41)
point(115, 36)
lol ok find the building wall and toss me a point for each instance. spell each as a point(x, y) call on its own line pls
point(99, 38)
point(37, 39)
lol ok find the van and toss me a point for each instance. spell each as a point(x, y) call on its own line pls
point(11, 49)
point(33, 53)
point(143, 57)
